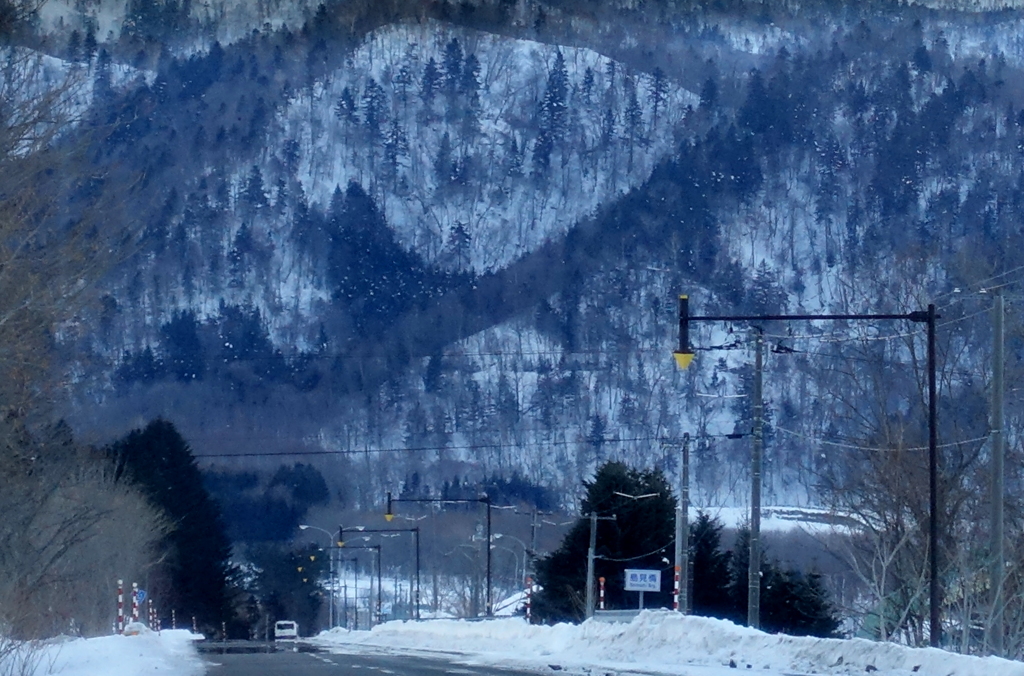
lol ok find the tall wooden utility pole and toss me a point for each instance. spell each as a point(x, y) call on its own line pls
point(998, 554)
point(682, 553)
point(756, 451)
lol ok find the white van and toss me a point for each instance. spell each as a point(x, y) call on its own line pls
point(286, 630)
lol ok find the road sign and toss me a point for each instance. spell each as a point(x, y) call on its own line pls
point(643, 580)
point(140, 595)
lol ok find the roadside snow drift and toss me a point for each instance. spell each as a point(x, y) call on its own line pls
point(660, 641)
point(168, 652)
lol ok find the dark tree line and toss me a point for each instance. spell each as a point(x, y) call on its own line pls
point(193, 577)
point(641, 536)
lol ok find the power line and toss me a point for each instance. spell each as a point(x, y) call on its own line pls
point(859, 447)
point(428, 449)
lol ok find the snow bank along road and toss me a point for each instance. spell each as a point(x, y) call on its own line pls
point(658, 642)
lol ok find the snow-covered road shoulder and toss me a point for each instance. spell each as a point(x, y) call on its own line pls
point(168, 652)
point(664, 642)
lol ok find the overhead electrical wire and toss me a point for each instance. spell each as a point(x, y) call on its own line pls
point(428, 449)
point(861, 447)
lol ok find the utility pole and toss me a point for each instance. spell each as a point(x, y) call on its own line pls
point(934, 594)
point(590, 564)
point(998, 554)
point(591, 552)
point(682, 553)
point(756, 451)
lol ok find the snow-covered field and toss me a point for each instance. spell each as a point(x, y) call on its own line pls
point(658, 642)
point(168, 652)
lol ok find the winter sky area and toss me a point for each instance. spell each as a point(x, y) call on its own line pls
point(656, 642)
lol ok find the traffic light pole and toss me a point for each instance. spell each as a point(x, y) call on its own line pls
point(684, 355)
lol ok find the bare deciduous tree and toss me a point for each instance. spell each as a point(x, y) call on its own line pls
point(66, 523)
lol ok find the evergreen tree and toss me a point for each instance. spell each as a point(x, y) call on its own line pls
point(444, 164)
point(709, 93)
point(396, 146)
point(554, 111)
point(159, 461)
point(641, 535)
point(790, 602)
point(659, 94)
point(470, 90)
point(254, 195)
point(587, 88)
point(429, 84)
point(185, 358)
point(452, 64)
point(345, 108)
point(710, 569)
point(634, 121)
point(375, 111)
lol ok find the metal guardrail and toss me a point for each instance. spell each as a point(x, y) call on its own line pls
point(621, 615)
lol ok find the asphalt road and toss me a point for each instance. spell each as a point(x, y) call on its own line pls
point(313, 663)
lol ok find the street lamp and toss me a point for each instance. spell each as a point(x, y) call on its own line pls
point(415, 530)
point(330, 566)
point(376, 547)
point(527, 554)
point(486, 500)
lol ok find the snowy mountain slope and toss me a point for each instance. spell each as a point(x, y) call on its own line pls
point(509, 210)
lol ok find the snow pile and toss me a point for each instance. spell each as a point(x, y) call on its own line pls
point(166, 652)
point(661, 641)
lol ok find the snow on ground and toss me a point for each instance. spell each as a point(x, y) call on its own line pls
point(658, 642)
point(167, 652)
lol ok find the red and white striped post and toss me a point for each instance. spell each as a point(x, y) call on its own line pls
point(120, 606)
point(600, 603)
point(529, 597)
point(135, 601)
point(675, 591)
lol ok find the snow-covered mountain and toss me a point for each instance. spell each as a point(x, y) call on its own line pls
point(456, 238)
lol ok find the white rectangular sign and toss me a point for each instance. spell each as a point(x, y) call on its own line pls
point(643, 580)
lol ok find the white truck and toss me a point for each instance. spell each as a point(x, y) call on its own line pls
point(286, 630)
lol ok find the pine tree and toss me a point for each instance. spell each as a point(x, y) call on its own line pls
point(709, 93)
point(429, 84)
point(396, 146)
point(554, 112)
point(444, 163)
point(641, 533)
point(790, 602)
point(469, 89)
point(159, 461)
point(634, 121)
point(185, 358)
point(375, 111)
point(345, 108)
point(659, 94)
point(710, 569)
point(587, 89)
